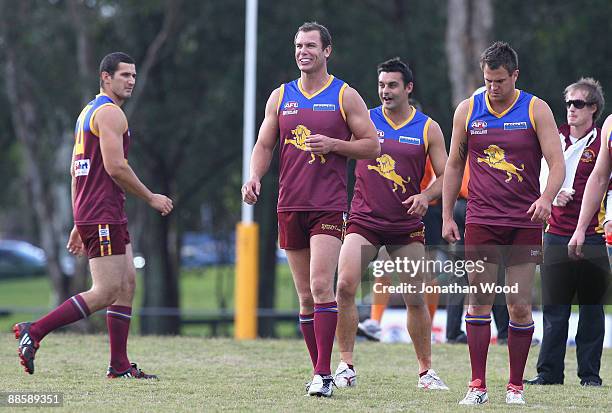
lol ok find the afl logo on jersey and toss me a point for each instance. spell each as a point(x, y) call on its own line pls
point(290, 108)
point(478, 127)
point(381, 135)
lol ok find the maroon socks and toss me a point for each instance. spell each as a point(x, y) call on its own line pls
point(519, 342)
point(325, 320)
point(478, 329)
point(118, 322)
point(307, 329)
point(71, 310)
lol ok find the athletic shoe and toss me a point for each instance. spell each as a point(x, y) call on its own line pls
point(321, 386)
point(589, 383)
point(27, 346)
point(369, 329)
point(345, 376)
point(132, 373)
point(514, 394)
point(431, 381)
point(475, 394)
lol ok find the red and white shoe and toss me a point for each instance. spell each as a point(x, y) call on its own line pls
point(515, 394)
point(476, 394)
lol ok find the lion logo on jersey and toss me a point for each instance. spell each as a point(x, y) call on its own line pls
point(300, 133)
point(386, 168)
point(496, 158)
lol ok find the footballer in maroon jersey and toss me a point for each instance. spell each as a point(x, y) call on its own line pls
point(100, 176)
point(505, 131)
point(321, 122)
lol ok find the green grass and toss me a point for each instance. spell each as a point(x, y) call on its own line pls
point(268, 375)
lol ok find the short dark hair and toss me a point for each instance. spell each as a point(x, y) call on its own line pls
point(111, 61)
point(326, 39)
point(499, 54)
point(396, 65)
point(594, 93)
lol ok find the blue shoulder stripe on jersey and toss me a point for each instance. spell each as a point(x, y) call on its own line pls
point(325, 100)
point(411, 133)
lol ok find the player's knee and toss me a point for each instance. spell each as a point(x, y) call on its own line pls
point(106, 296)
point(306, 300)
point(129, 284)
point(346, 290)
point(321, 288)
point(520, 313)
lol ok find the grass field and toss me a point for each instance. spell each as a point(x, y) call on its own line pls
point(268, 375)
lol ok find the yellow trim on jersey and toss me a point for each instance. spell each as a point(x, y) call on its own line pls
point(91, 119)
point(469, 114)
point(340, 99)
point(401, 125)
point(308, 96)
point(281, 93)
point(79, 145)
point(425, 130)
point(601, 216)
point(100, 241)
point(531, 115)
point(499, 115)
point(110, 250)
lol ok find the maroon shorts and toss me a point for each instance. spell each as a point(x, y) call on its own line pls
point(378, 238)
point(101, 240)
point(497, 242)
point(296, 227)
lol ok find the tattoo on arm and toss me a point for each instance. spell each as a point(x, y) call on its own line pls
point(463, 151)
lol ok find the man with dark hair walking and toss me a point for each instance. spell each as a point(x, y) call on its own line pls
point(100, 175)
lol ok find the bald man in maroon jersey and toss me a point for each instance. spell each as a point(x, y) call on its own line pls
point(100, 174)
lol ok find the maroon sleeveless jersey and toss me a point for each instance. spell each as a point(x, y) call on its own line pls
point(98, 199)
point(310, 182)
point(504, 159)
point(563, 220)
point(382, 184)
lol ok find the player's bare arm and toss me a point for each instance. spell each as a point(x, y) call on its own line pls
point(75, 244)
point(453, 173)
point(548, 136)
point(111, 123)
point(263, 150)
point(593, 193)
point(364, 143)
point(436, 150)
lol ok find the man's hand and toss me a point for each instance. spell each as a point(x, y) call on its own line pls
point(161, 203)
point(320, 144)
point(540, 210)
point(564, 197)
point(450, 231)
point(75, 244)
point(416, 204)
point(574, 246)
point(250, 191)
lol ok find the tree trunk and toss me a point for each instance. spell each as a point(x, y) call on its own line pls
point(468, 32)
point(26, 123)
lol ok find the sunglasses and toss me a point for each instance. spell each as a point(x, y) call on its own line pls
point(578, 103)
